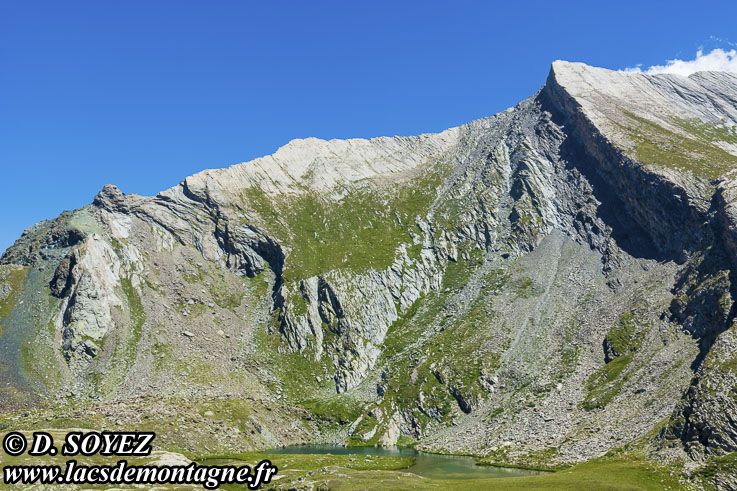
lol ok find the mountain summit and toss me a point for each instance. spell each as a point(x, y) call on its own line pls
point(541, 286)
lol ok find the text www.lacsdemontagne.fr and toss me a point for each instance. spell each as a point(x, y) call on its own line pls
point(110, 444)
point(211, 477)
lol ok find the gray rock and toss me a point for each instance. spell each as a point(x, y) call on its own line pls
point(523, 254)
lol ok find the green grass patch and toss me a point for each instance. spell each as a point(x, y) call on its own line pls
point(359, 231)
point(623, 337)
point(225, 297)
point(707, 132)
point(235, 411)
point(162, 354)
point(125, 343)
point(457, 273)
point(445, 369)
point(724, 464)
point(13, 277)
point(339, 409)
point(730, 365)
point(695, 153)
point(299, 375)
point(136, 313)
point(606, 383)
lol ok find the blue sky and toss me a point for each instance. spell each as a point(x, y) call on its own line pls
point(142, 94)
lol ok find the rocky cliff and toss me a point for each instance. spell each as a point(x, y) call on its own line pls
point(549, 283)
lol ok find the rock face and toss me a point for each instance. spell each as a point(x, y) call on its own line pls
point(520, 285)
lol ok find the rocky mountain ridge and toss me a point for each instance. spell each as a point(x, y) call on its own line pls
point(552, 282)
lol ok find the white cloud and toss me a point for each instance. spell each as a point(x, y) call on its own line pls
point(716, 60)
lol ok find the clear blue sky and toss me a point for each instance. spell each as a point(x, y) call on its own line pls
point(142, 94)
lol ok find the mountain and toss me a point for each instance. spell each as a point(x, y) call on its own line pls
point(542, 286)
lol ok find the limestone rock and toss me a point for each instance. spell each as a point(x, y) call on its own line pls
point(554, 278)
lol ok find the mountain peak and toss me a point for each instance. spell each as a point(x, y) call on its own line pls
point(678, 123)
point(567, 261)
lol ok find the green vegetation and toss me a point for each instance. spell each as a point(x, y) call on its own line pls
point(457, 273)
point(257, 286)
point(358, 472)
point(36, 345)
point(361, 230)
point(333, 408)
point(196, 277)
point(13, 278)
point(697, 154)
point(125, 343)
point(444, 370)
point(199, 371)
point(406, 441)
point(302, 379)
point(298, 374)
point(40, 362)
point(236, 412)
point(708, 132)
point(569, 361)
point(162, 355)
point(368, 425)
point(137, 317)
point(396, 338)
point(542, 460)
point(729, 365)
point(117, 246)
point(623, 337)
point(724, 464)
point(526, 288)
point(497, 411)
point(224, 294)
point(606, 383)
point(615, 471)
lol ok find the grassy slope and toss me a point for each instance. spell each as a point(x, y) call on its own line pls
point(360, 231)
point(13, 277)
point(698, 153)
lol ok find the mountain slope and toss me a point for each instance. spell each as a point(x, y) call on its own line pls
point(546, 284)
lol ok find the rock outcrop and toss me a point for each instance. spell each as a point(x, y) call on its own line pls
point(520, 285)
